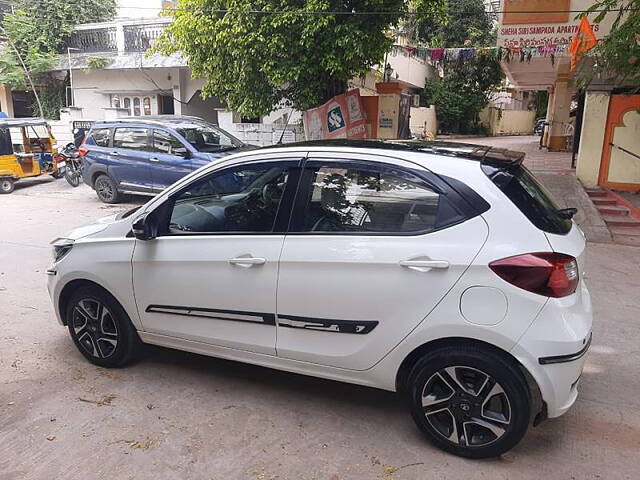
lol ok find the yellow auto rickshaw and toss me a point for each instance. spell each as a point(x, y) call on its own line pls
point(27, 149)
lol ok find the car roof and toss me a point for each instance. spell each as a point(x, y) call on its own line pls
point(469, 151)
point(162, 120)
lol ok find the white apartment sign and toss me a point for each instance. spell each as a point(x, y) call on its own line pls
point(544, 22)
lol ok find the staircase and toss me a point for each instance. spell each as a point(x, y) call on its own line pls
point(622, 218)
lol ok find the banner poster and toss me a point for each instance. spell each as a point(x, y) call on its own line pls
point(341, 117)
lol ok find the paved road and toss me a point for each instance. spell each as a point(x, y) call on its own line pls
point(184, 416)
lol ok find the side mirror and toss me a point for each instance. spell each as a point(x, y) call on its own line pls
point(144, 229)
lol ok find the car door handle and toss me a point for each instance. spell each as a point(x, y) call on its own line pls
point(115, 154)
point(424, 265)
point(247, 261)
point(154, 159)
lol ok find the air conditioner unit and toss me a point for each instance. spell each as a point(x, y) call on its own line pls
point(415, 100)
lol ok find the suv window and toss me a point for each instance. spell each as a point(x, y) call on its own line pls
point(164, 142)
point(131, 138)
point(368, 200)
point(100, 137)
point(531, 198)
point(240, 199)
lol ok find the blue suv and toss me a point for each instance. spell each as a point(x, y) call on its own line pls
point(144, 155)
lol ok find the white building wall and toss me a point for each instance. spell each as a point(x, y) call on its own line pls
point(91, 89)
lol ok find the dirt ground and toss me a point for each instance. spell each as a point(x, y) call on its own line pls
point(184, 416)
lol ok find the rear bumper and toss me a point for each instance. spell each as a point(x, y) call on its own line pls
point(554, 349)
point(572, 357)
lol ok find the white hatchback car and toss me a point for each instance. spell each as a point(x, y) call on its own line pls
point(439, 270)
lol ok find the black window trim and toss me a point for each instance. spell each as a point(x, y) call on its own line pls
point(283, 215)
point(427, 177)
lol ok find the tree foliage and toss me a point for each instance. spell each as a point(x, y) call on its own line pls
point(467, 84)
point(465, 20)
point(256, 54)
point(463, 91)
point(618, 54)
point(37, 29)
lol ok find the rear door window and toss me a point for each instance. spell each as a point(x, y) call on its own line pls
point(131, 138)
point(99, 137)
point(531, 198)
point(369, 199)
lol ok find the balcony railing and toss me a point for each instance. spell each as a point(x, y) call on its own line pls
point(96, 40)
point(122, 36)
point(140, 38)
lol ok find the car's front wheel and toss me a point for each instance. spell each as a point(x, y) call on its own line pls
point(107, 189)
point(470, 401)
point(100, 328)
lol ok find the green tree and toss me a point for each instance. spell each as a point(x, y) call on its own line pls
point(255, 54)
point(465, 20)
point(37, 29)
point(467, 84)
point(618, 54)
point(462, 92)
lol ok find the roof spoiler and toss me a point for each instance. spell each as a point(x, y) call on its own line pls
point(501, 157)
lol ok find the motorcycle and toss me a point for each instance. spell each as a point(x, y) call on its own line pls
point(69, 158)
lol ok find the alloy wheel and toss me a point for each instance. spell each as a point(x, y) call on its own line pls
point(466, 406)
point(95, 328)
point(104, 189)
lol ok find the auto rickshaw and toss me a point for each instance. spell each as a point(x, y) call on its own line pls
point(27, 149)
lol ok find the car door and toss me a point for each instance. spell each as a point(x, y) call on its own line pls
point(211, 274)
point(129, 159)
point(170, 159)
point(373, 247)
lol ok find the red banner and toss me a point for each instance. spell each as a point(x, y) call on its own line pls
point(341, 117)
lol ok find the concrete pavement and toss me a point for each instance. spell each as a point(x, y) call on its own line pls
point(180, 415)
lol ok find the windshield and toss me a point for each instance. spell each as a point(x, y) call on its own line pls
point(208, 138)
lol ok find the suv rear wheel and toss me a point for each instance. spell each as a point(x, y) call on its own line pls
point(469, 401)
point(107, 189)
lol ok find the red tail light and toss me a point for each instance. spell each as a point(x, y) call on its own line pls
point(82, 150)
point(548, 274)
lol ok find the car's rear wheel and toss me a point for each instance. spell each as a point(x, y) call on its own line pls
point(107, 189)
point(6, 185)
point(100, 328)
point(470, 401)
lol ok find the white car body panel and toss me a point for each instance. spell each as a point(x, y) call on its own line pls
point(366, 273)
point(195, 272)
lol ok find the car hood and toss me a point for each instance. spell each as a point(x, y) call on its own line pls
point(92, 228)
point(203, 158)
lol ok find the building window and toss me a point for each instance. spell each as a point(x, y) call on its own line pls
point(146, 105)
point(127, 104)
point(136, 106)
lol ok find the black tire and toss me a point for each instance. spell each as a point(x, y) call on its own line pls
point(59, 173)
point(490, 424)
point(107, 189)
point(72, 175)
point(96, 321)
point(7, 185)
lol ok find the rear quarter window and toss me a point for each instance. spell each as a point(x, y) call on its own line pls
point(531, 198)
point(99, 137)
